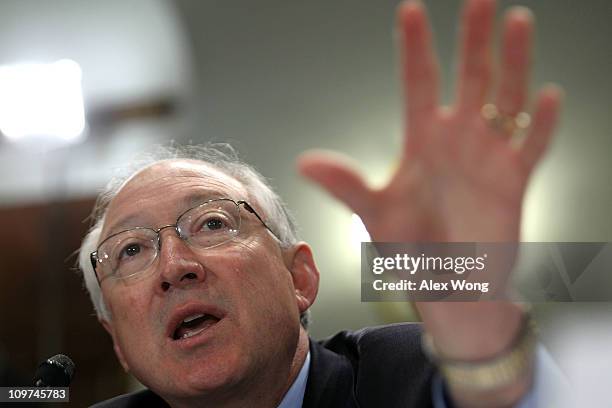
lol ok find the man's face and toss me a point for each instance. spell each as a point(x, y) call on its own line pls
point(244, 286)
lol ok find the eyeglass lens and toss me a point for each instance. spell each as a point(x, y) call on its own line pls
point(207, 225)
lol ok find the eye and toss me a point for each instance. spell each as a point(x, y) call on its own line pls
point(130, 250)
point(207, 222)
point(214, 224)
point(132, 247)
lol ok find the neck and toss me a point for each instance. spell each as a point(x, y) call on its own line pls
point(267, 389)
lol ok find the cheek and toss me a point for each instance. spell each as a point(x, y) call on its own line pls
point(263, 285)
point(266, 310)
point(130, 310)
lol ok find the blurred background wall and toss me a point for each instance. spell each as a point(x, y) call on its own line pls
point(274, 78)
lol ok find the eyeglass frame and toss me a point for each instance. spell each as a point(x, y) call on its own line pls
point(93, 257)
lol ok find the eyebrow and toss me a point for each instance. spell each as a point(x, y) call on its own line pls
point(185, 203)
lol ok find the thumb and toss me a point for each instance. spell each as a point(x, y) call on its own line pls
point(335, 172)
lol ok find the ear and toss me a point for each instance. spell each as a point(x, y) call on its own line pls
point(305, 275)
point(110, 329)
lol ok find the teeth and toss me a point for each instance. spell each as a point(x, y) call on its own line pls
point(192, 333)
point(193, 325)
point(193, 317)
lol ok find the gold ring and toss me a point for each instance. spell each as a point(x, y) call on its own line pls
point(505, 124)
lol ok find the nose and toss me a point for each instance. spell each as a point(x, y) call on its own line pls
point(179, 265)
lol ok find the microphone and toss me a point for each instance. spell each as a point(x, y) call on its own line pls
point(56, 371)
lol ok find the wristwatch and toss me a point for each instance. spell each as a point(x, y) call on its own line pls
point(493, 373)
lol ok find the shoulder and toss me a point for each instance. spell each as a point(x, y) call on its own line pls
point(384, 364)
point(144, 398)
point(400, 341)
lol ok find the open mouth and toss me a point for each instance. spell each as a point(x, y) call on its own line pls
point(193, 324)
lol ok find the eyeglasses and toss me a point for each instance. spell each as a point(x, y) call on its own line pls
point(130, 252)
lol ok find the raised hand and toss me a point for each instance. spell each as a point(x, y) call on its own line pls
point(462, 174)
point(460, 177)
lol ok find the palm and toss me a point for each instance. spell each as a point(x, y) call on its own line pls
point(451, 187)
point(458, 178)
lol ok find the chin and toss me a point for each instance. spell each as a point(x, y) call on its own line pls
point(213, 375)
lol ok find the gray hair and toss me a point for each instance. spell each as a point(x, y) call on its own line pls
point(224, 158)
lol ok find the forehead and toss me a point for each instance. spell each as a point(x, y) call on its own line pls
point(165, 188)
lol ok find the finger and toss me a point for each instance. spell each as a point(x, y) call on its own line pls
point(515, 61)
point(475, 54)
point(545, 117)
point(420, 67)
point(336, 174)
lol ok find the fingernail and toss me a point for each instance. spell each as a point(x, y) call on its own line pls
point(555, 88)
point(521, 12)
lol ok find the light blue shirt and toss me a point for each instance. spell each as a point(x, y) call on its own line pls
point(295, 396)
point(548, 380)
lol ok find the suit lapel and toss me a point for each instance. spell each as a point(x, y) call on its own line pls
point(330, 380)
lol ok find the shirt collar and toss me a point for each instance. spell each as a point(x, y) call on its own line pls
point(295, 396)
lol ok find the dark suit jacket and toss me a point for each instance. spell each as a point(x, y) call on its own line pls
point(378, 367)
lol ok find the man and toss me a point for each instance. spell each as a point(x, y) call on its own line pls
point(196, 273)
